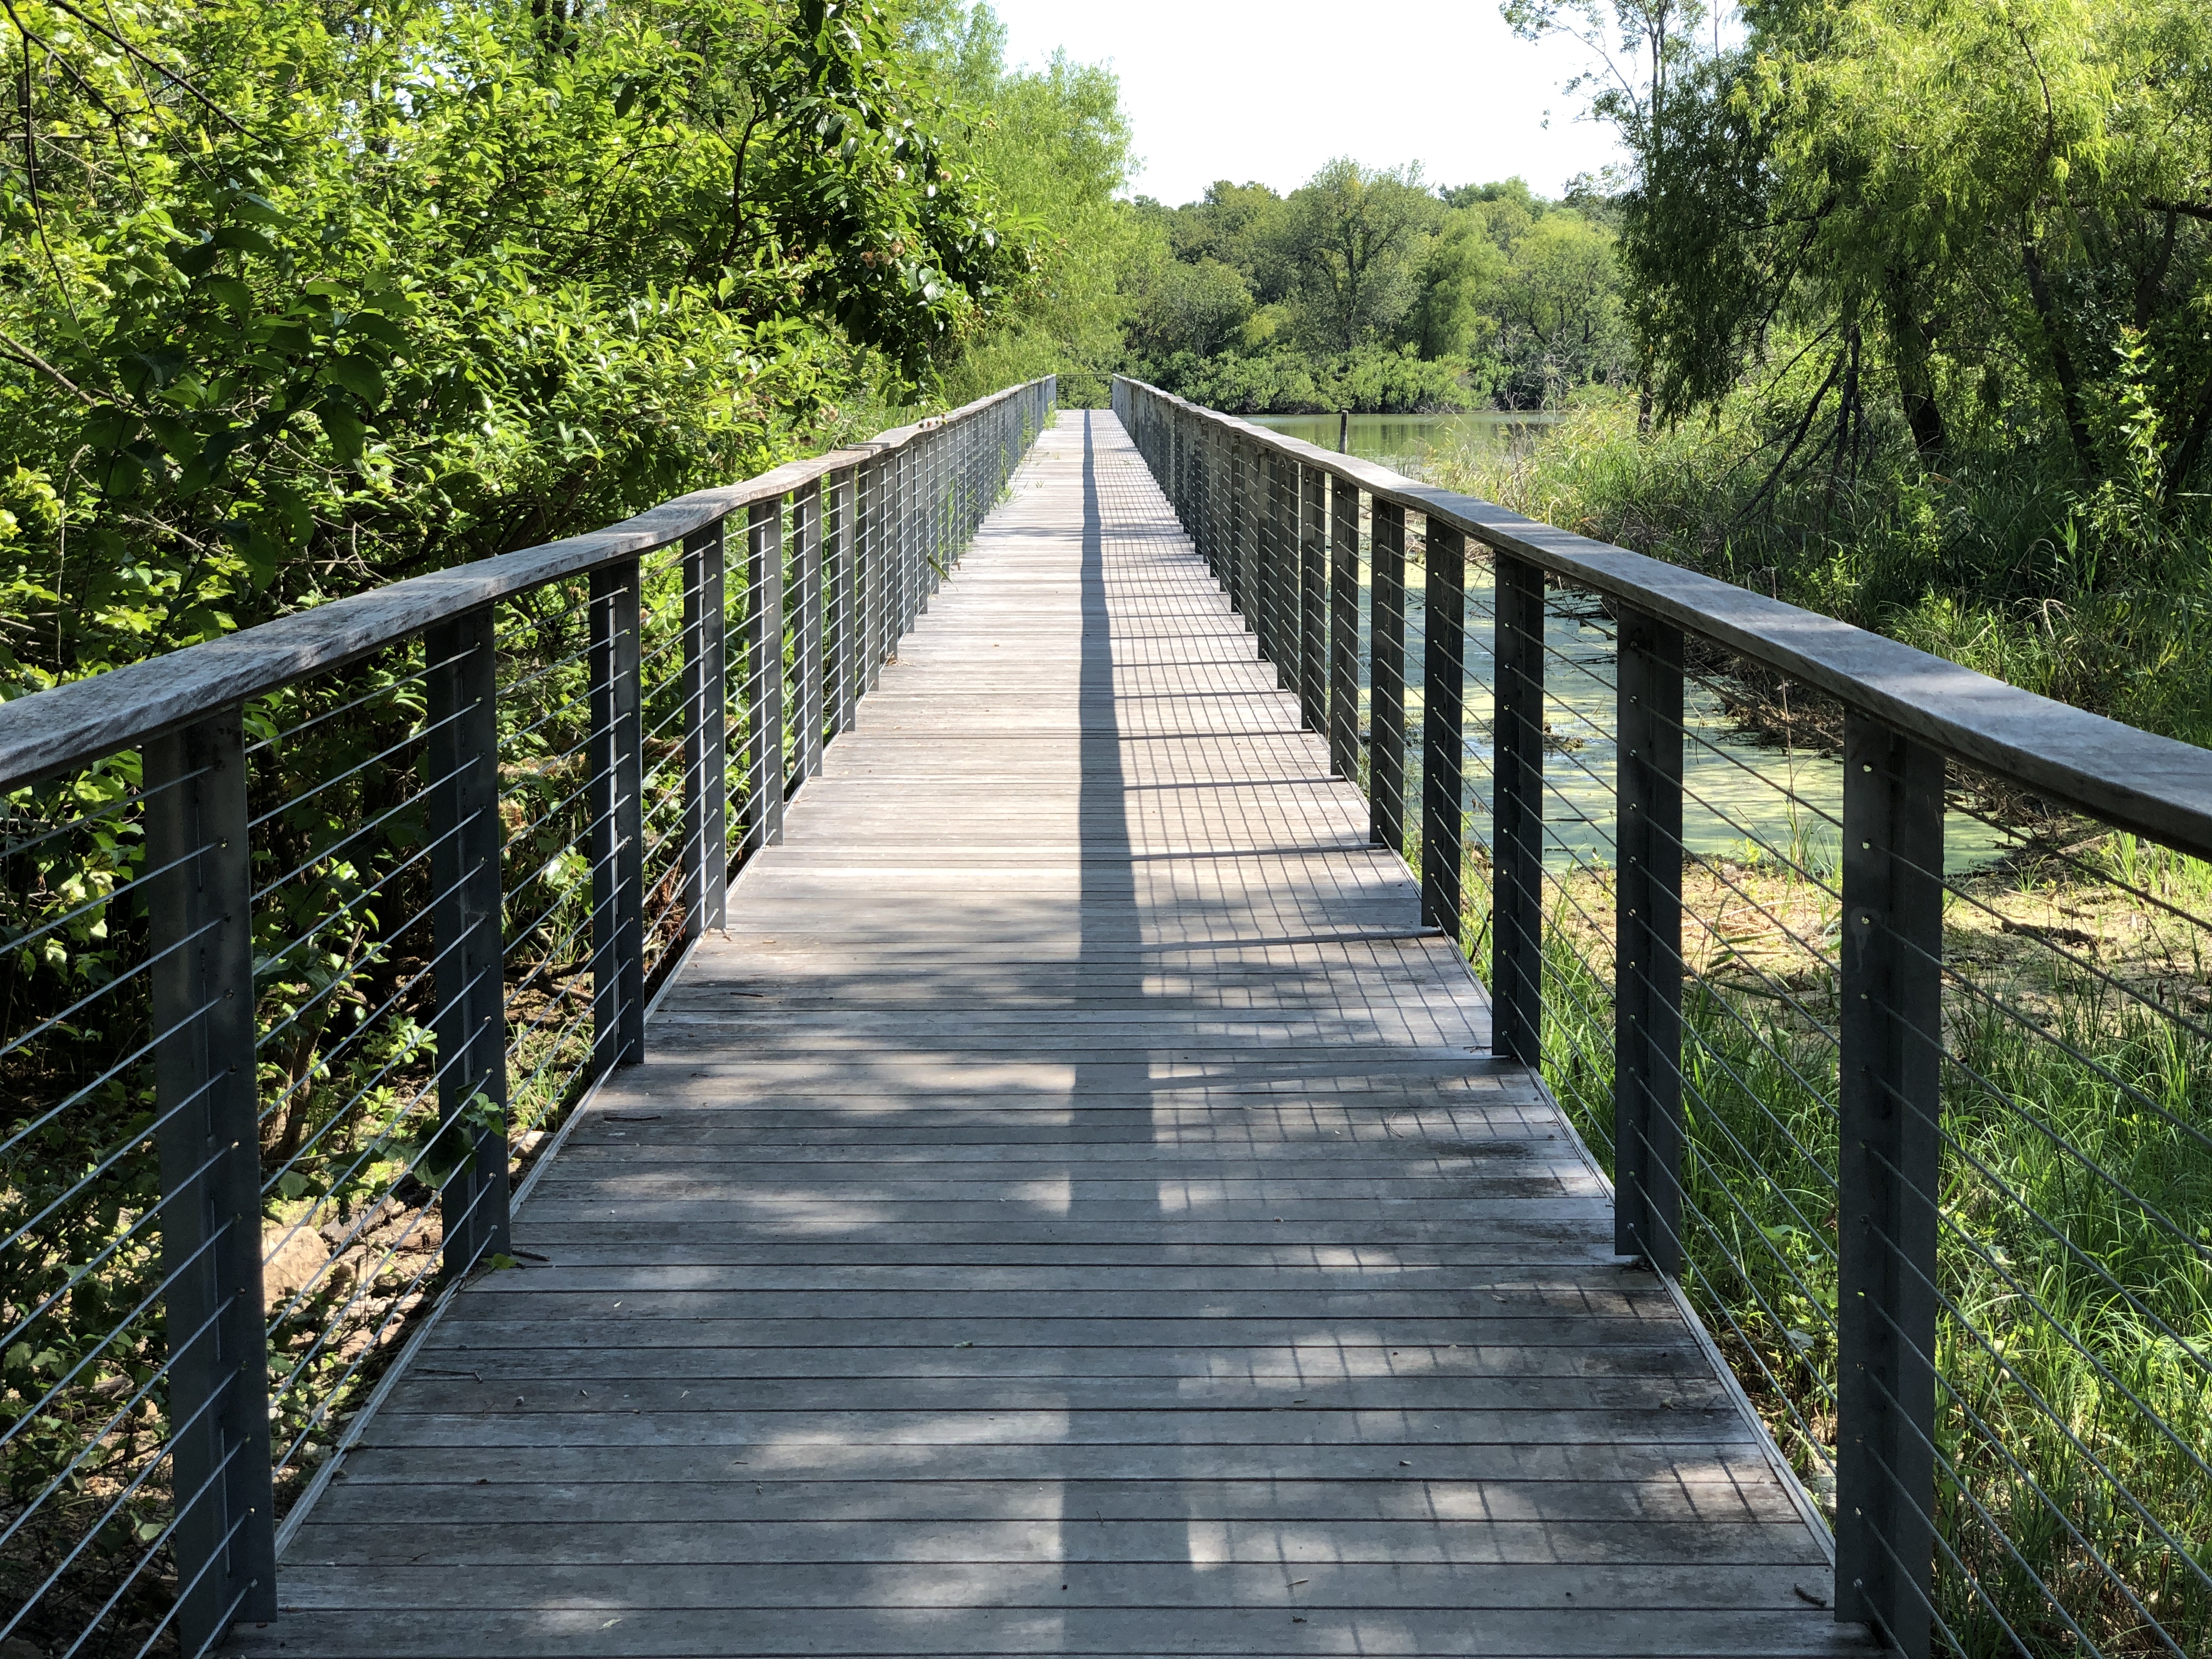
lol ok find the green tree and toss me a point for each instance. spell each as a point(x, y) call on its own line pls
point(297, 303)
point(1358, 235)
point(1459, 273)
point(1559, 309)
point(1199, 307)
point(2000, 218)
point(1055, 144)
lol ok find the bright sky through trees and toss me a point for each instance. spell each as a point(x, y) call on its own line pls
point(1271, 89)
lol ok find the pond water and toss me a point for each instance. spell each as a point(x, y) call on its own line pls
point(1403, 443)
point(1745, 799)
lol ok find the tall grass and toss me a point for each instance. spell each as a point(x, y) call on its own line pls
point(2074, 1505)
point(2097, 594)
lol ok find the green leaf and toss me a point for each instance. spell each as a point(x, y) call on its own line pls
point(382, 330)
point(194, 259)
point(260, 208)
point(247, 239)
point(347, 431)
point(360, 375)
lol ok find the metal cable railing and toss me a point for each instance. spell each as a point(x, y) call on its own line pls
point(310, 939)
point(1881, 992)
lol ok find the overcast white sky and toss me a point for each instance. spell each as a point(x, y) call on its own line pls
point(1270, 89)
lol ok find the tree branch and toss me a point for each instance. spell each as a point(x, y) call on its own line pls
point(24, 355)
point(162, 69)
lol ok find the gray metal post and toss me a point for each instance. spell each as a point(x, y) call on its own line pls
point(461, 758)
point(1263, 557)
point(938, 456)
point(1887, 1167)
point(932, 504)
point(224, 1542)
point(1516, 915)
point(1344, 629)
point(905, 538)
point(705, 732)
point(763, 820)
point(807, 670)
point(617, 838)
point(1386, 677)
point(1244, 530)
point(868, 486)
point(1313, 599)
point(1202, 463)
point(1443, 697)
point(838, 527)
point(1281, 582)
point(1647, 996)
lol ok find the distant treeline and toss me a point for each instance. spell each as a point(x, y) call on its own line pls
point(1365, 289)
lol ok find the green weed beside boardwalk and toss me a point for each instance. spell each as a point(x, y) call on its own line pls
point(2076, 1264)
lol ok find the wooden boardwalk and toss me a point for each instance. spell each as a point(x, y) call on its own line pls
point(1073, 1212)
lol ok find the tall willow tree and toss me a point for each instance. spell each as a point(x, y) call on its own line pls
point(297, 297)
point(1991, 222)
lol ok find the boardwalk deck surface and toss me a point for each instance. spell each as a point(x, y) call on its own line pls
point(1072, 1212)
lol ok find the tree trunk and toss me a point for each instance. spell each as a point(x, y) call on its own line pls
point(1916, 379)
point(2061, 361)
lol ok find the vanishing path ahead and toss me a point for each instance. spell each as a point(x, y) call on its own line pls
point(1074, 1212)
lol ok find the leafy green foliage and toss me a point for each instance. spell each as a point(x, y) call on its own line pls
point(1055, 144)
point(1366, 290)
point(297, 301)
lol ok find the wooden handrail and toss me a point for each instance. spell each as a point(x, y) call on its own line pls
point(2158, 786)
point(74, 724)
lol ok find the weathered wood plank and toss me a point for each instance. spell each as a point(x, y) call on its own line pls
point(622, 1628)
point(1042, 1532)
point(1512, 1510)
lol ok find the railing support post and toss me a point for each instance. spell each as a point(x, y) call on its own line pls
point(1647, 1076)
point(706, 733)
point(1281, 582)
point(1313, 599)
point(1516, 915)
point(838, 527)
point(206, 1096)
point(807, 669)
point(1243, 537)
point(905, 535)
point(1386, 679)
point(868, 487)
point(1888, 1162)
point(1218, 496)
point(462, 759)
point(1444, 701)
point(1344, 629)
point(764, 675)
point(618, 789)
